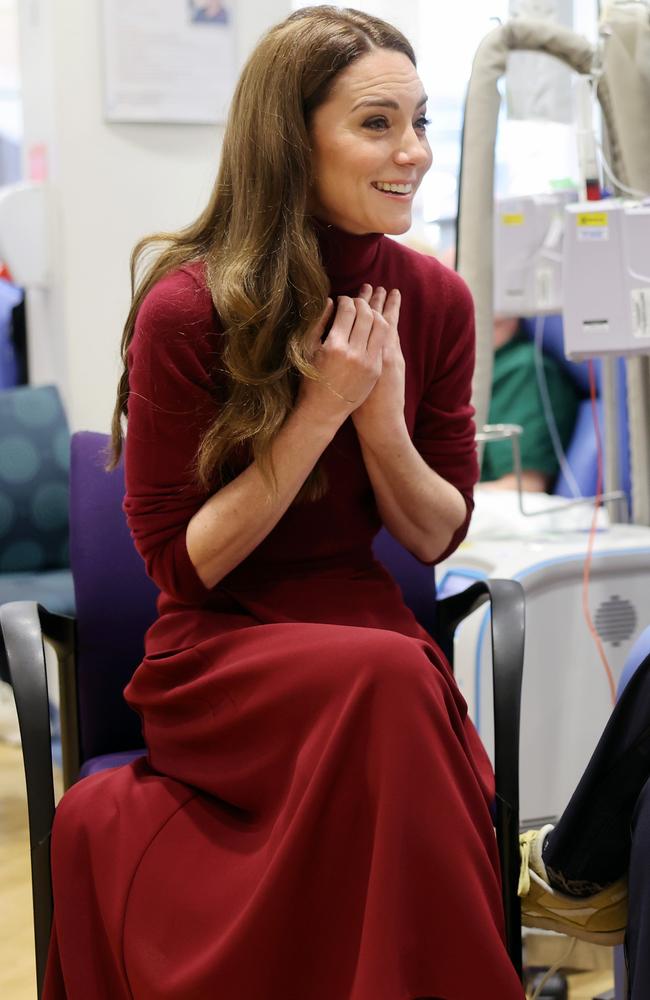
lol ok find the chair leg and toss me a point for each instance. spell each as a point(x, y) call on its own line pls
point(20, 626)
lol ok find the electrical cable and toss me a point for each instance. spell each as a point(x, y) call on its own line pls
point(549, 416)
point(554, 968)
point(611, 176)
point(573, 486)
point(592, 537)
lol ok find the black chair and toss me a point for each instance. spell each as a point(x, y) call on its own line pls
point(99, 650)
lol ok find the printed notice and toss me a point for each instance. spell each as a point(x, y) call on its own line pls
point(641, 312)
point(168, 60)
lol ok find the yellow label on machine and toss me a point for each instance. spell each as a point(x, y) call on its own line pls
point(514, 219)
point(592, 219)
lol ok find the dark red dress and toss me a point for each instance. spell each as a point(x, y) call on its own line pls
point(313, 820)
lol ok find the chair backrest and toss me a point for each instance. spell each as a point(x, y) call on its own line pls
point(115, 599)
point(34, 460)
point(10, 298)
point(553, 345)
point(416, 580)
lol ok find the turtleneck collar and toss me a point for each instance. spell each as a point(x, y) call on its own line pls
point(347, 258)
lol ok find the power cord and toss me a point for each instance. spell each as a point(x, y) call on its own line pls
point(549, 416)
point(551, 972)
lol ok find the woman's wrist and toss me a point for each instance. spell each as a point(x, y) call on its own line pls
point(378, 436)
point(318, 422)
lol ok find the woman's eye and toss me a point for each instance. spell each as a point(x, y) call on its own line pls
point(422, 123)
point(377, 124)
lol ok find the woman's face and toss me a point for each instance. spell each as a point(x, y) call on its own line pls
point(368, 137)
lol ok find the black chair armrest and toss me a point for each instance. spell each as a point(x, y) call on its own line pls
point(21, 625)
point(508, 630)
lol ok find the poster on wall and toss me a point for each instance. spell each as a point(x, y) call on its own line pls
point(170, 61)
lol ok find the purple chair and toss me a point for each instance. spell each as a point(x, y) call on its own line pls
point(99, 650)
point(115, 602)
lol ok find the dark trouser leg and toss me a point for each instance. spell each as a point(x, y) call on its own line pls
point(637, 944)
point(591, 842)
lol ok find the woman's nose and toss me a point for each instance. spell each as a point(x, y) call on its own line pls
point(412, 150)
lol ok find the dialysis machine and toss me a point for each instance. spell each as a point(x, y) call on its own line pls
point(607, 278)
point(591, 259)
point(528, 240)
point(566, 697)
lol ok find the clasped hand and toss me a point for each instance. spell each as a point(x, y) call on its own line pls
point(360, 362)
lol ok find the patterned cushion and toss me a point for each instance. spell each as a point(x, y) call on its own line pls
point(34, 462)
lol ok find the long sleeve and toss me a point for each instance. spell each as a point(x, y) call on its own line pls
point(171, 403)
point(445, 432)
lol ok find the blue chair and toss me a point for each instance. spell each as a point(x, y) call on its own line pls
point(10, 298)
point(581, 450)
point(100, 649)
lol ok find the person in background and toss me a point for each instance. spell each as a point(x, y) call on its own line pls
point(517, 399)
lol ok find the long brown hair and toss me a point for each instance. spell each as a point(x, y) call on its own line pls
point(263, 264)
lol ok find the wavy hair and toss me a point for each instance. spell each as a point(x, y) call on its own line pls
point(262, 258)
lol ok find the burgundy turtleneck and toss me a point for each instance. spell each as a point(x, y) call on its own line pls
point(176, 348)
point(347, 258)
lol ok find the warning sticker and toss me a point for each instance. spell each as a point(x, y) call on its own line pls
point(641, 313)
point(513, 219)
point(592, 225)
point(592, 218)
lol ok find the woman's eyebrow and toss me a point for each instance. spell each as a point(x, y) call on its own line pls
point(385, 102)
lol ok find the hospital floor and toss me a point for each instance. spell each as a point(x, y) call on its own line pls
point(17, 976)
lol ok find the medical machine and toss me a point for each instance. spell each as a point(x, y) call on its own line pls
point(607, 278)
point(566, 697)
point(24, 236)
point(27, 239)
point(528, 238)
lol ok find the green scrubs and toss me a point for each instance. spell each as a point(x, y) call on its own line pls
point(516, 399)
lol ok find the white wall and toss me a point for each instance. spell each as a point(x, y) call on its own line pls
point(111, 184)
point(10, 123)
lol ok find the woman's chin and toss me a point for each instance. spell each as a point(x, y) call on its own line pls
point(390, 223)
point(395, 219)
point(396, 227)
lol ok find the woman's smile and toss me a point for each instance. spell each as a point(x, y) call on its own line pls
point(397, 189)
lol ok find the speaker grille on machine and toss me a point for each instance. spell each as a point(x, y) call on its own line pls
point(615, 620)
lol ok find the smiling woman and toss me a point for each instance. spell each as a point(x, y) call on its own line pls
point(313, 819)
